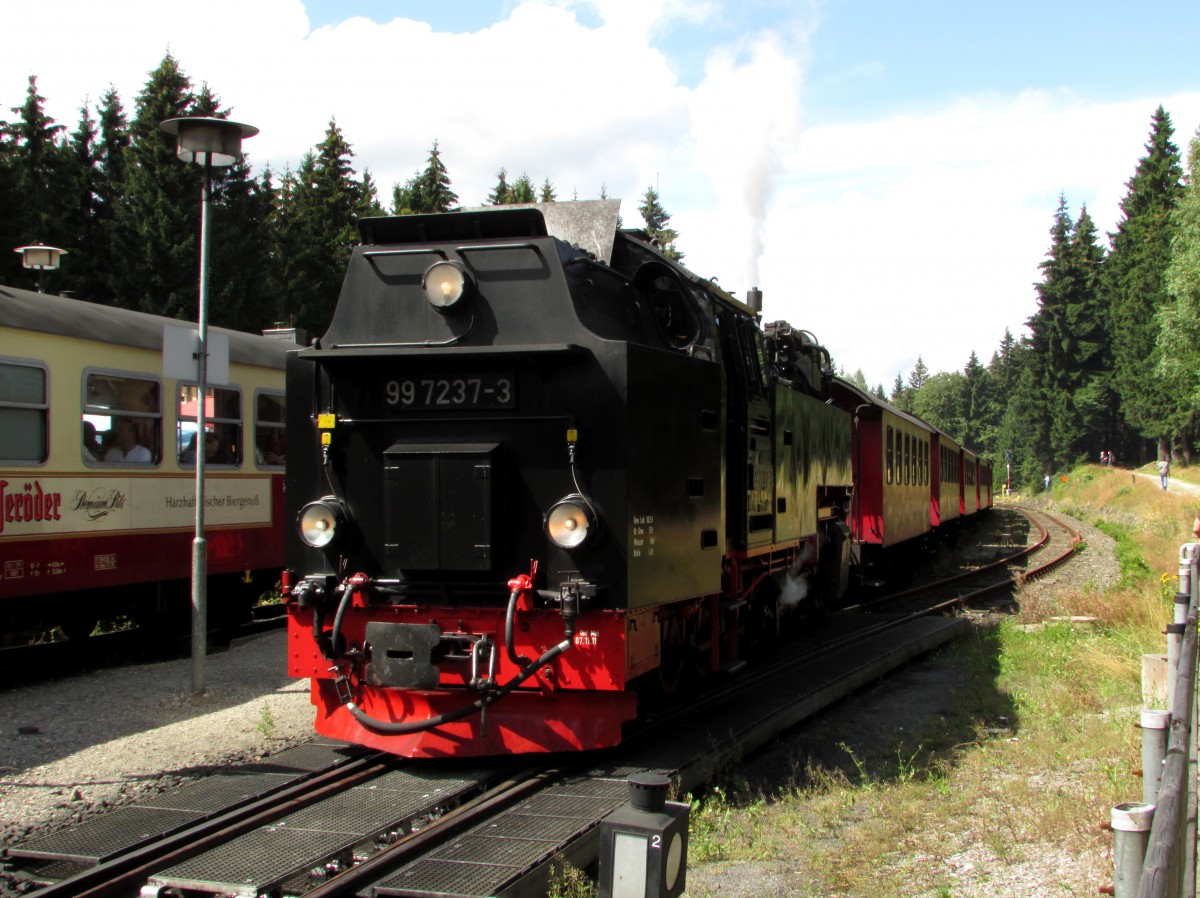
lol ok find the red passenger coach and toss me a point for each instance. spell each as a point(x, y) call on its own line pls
point(891, 462)
point(97, 470)
point(946, 496)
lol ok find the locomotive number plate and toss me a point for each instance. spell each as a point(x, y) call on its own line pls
point(450, 392)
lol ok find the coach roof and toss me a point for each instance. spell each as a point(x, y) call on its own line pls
point(50, 314)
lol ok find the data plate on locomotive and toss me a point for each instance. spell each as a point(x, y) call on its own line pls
point(450, 392)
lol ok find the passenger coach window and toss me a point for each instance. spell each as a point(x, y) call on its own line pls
point(270, 449)
point(222, 426)
point(125, 417)
point(23, 412)
point(889, 455)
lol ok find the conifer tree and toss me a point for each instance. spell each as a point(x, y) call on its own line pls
point(318, 207)
point(87, 239)
point(1179, 319)
point(547, 192)
point(157, 222)
point(1135, 287)
point(502, 193)
point(426, 191)
point(523, 190)
point(39, 164)
point(918, 376)
point(657, 219)
point(112, 158)
point(899, 395)
point(1088, 364)
point(10, 227)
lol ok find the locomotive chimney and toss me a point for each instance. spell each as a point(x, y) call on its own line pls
point(754, 299)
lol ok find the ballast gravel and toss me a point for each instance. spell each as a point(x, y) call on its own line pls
point(73, 747)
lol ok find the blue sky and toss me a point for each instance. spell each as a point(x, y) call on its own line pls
point(886, 172)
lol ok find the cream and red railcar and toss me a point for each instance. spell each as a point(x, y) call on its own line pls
point(971, 472)
point(945, 501)
point(97, 470)
point(892, 471)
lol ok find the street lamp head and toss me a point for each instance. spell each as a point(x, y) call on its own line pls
point(42, 258)
point(208, 141)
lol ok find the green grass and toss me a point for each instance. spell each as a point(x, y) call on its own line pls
point(1012, 776)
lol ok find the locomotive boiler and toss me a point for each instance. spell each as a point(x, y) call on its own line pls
point(539, 473)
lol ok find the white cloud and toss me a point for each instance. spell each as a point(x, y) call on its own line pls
point(918, 234)
point(921, 235)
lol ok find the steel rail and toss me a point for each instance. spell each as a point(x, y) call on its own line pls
point(127, 872)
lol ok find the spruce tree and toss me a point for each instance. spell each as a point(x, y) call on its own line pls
point(899, 395)
point(1135, 287)
point(318, 207)
point(156, 231)
point(523, 190)
point(657, 219)
point(502, 193)
point(428, 190)
point(81, 276)
point(40, 166)
point(547, 192)
point(112, 155)
point(918, 376)
point(1088, 365)
point(1179, 319)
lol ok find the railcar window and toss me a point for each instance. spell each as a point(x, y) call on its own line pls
point(907, 460)
point(24, 412)
point(270, 447)
point(889, 454)
point(222, 426)
point(126, 413)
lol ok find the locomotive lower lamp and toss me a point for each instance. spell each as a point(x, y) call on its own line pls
point(643, 843)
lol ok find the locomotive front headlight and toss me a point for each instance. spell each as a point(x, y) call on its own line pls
point(445, 283)
point(322, 522)
point(570, 522)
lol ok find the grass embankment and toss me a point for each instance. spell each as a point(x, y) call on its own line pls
point(996, 785)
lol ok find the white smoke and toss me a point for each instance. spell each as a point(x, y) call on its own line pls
point(795, 589)
point(795, 584)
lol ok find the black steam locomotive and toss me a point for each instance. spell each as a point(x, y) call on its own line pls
point(538, 469)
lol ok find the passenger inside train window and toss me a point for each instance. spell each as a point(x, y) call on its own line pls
point(214, 452)
point(127, 445)
point(92, 449)
point(272, 447)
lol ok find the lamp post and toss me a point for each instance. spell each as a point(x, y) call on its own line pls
point(208, 142)
point(40, 258)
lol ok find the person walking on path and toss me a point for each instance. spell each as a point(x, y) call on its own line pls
point(1164, 470)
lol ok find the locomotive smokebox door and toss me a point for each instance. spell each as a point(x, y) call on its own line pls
point(438, 505)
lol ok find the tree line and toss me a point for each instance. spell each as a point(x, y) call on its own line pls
point(112, 193)
point(1111, 360)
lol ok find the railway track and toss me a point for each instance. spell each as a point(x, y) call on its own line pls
point(1050, 543)
point(359, 825)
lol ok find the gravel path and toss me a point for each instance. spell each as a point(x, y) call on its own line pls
point(76, 746)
